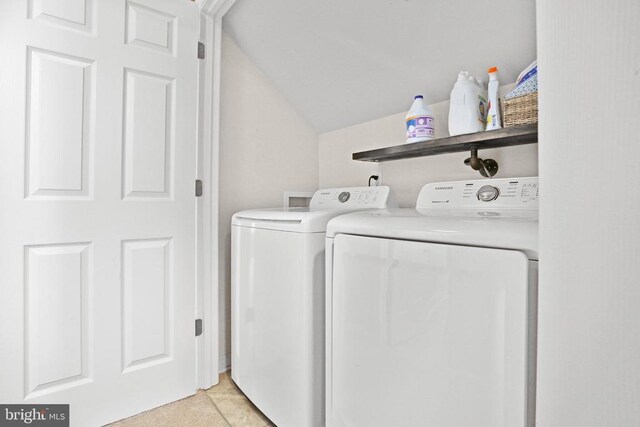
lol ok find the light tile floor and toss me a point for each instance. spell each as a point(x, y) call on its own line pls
point(234, 406)
point(222, 405)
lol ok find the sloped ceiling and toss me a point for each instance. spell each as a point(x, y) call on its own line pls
point(342, 62)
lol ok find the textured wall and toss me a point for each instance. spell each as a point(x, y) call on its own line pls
point(266, 148)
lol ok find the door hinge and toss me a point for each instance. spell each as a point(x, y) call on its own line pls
point(198, 327)
point(201, 50)
point(198, 188)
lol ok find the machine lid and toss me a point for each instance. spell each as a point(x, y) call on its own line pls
point(325, 205)
point(489, 229)
point(463, 212)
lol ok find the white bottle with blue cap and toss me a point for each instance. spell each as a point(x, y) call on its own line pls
point(420, 122)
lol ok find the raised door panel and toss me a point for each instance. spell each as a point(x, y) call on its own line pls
point(73, 14)
point(147, 289)
point(60, 111)
point(151, 28)
point(148, 135)
point(57, 312)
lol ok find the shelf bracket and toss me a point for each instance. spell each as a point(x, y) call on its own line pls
point(487, 167)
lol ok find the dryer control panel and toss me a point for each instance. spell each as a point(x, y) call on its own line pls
point(503, 193)
point(353, 198)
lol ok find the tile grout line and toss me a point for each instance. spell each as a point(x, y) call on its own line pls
point(238, 393)
point(218, 409)
point(254, 409)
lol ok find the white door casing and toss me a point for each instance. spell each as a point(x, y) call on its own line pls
point(212, 12)
point(97, 168)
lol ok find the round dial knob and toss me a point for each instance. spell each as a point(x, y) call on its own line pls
point(487, 193)
point(344, 196)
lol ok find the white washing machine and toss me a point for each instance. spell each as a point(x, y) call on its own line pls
point(431, 312)
point(277, 300)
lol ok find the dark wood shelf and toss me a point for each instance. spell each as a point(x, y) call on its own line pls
point(508, 137)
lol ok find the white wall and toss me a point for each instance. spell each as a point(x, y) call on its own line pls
point(266, 148)
point(589, 308)
point(406, 177)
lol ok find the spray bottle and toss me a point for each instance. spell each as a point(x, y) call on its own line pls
point(493, 114)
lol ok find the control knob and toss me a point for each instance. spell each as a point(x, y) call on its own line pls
point(487, 193)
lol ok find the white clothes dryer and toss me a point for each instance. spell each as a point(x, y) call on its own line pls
point(277, 300)
point(431, 312)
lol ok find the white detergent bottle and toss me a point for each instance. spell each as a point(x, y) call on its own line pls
point(493, 114)
point(420, 121)
point(467, 105)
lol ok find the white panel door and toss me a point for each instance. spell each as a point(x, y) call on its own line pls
point(97, 209)
point(425, 334)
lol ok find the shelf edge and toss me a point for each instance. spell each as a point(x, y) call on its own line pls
point(520, 135)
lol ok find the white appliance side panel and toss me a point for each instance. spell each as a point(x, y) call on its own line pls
point(278, 322)
point(427, 334)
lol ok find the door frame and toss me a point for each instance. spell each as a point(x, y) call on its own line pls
point(207, 262)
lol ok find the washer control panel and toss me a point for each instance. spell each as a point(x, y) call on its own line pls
point(504, 193)
point(353, 198)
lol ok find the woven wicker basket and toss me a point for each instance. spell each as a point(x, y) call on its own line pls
point(522, 110)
